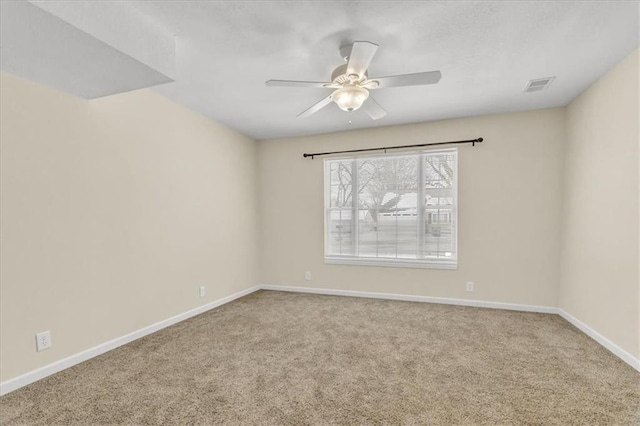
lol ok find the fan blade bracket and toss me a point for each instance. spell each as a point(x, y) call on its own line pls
point(370, 84)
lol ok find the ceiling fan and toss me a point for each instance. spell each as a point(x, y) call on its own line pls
point(351, 83)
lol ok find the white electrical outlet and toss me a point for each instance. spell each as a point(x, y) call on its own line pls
point(203, 291)
point(469, 286)
point(43, 341)
point(307, 276)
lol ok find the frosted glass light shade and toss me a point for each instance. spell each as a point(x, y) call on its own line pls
point(350, 98)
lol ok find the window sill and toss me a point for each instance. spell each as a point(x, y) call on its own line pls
point(394, 263)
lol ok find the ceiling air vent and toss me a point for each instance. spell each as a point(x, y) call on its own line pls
point(538, 84)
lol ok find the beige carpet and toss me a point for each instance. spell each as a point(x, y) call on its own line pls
point(283, 358)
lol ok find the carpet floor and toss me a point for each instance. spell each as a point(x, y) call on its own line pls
point(294, 359)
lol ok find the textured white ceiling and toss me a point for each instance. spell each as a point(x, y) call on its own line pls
point(38, 45)
point(487, 52)
point(120, 25)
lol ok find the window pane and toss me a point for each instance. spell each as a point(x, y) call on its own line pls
point(372, 188)
point(388, 207)
point(339, 232)
point(403, 206)
point(407, 207)
point(340, 188)
point(439, 241)
point(339, 214)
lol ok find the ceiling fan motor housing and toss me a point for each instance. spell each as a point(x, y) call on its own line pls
point(340, 76)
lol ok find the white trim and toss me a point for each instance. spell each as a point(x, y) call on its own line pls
point(415, 298)
point(608, 344)
point(40, 373)
point(395, 263)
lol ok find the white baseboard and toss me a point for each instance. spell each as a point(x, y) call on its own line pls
point(40, 373)
point(413, 298)
point(608, 344)
point(35, 375)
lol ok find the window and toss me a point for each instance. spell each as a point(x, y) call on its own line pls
point(394, 210)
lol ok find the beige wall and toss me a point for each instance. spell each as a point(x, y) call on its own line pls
point(114, 212)
point(510, 193)
point(600, 283)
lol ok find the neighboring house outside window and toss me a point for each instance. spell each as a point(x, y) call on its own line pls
point(392, 210)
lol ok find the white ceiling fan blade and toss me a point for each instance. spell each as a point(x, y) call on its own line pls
point(293, 83)
point(362, 53)
point(374, 109)
point(316, 107)
point(417, 79)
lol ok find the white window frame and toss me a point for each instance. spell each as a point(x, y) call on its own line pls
point(392, 262)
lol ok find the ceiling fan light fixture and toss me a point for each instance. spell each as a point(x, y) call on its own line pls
point(353, 84)
point(350, 98)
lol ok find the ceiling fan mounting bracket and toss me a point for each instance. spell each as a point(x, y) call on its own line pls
point(345, 52)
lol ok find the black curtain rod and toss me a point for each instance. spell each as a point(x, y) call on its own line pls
point(385, 148)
